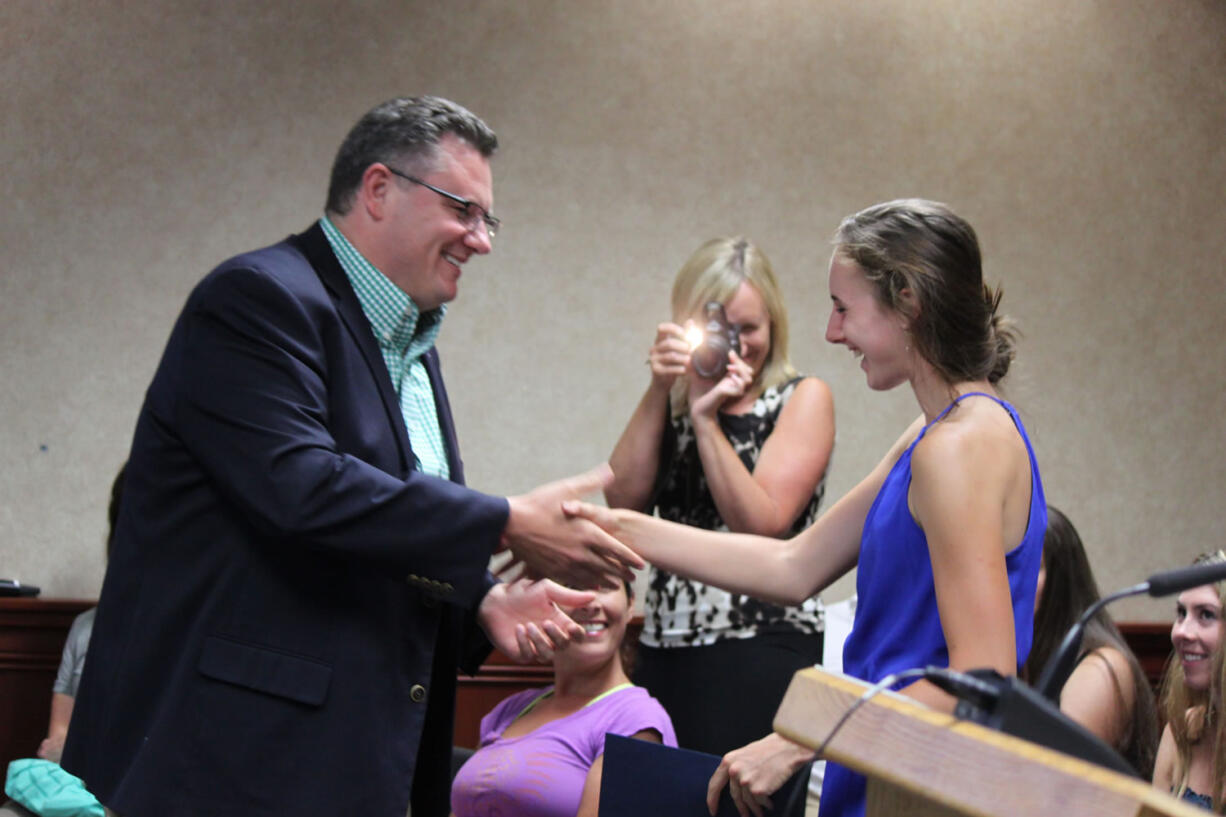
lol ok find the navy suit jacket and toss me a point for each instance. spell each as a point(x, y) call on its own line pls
point(288, 600)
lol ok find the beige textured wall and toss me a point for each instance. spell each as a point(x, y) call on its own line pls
point(144, 142)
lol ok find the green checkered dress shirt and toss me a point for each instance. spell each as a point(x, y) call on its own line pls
point(404, 335)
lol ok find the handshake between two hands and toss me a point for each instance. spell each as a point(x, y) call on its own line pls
point(557, 542)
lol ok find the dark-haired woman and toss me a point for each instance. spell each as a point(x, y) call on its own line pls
point(947, 530)
point(1107, 691)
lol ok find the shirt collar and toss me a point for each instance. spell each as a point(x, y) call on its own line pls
point(394, 317)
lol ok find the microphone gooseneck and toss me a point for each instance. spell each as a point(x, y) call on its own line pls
point(1185, 578)
point(1060, 665)
point(1010, 706)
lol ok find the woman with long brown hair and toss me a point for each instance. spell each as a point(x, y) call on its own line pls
point(1107, 691)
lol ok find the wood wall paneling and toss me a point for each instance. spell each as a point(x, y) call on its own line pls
point(32, 633)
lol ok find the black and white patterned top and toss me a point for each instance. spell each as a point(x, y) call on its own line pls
point(683, 613)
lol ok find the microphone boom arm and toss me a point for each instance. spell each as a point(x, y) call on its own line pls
point(1062, 663)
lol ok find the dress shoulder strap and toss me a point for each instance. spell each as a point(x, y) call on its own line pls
point(962, 397)
point(955, 402)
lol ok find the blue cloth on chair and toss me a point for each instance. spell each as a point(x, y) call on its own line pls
point(47, 790)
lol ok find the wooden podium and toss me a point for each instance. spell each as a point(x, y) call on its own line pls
point(922, 763)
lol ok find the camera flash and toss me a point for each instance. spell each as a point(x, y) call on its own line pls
point(694, 336)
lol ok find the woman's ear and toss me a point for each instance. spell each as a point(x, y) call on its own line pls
point(908, 306)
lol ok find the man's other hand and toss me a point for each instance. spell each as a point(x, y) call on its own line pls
point(525, 619)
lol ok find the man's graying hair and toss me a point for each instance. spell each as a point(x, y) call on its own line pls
point(405, 131)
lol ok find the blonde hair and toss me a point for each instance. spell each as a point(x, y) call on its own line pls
point(714, 272)
point(1192, 714)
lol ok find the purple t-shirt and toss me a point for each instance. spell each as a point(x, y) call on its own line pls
point(541, 774)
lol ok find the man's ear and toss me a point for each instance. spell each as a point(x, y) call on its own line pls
point(376, 184)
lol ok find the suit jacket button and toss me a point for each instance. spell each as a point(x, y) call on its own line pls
point(417, 693)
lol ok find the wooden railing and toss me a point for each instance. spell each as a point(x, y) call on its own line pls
point(32, 633)
point(498, 677)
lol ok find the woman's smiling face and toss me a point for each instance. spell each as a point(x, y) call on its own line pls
point(604, 622)
point(859, 321)
point(1197, 633)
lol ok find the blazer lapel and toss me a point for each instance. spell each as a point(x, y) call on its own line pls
point(314, 245)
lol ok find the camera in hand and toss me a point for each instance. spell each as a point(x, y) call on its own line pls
point(710, 355)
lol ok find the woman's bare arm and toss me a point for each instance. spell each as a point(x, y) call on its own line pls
point(1099, 694)
point(782, 571)
point(57, 727)
point(792, 462)
point(1164, 763)
point(636, 457)
point(961, 479)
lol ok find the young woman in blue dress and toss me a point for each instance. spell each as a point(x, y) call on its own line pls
point(946, 531)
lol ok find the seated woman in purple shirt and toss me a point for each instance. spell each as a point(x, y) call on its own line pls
point(541, 752)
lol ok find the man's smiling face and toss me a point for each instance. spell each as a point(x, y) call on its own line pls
point(426, 238)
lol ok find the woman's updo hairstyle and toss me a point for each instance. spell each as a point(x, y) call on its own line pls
point(923, 248)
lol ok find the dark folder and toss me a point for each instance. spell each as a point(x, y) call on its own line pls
point(643, 779)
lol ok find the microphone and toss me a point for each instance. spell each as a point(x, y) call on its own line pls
point(1175, 581)
point(1060, 665)
point(970, 687)
point(1007, 705)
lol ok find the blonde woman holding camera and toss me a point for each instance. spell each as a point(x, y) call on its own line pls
point(727, 437)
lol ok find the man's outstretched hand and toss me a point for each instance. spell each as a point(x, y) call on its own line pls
point(567, 548)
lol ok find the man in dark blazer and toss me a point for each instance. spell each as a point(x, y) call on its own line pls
point(298, 569)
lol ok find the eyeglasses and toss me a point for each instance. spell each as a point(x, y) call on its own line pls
point(471, 214)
